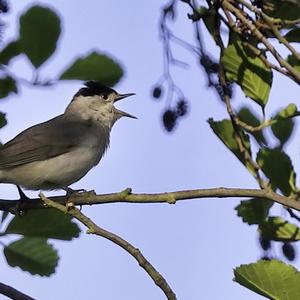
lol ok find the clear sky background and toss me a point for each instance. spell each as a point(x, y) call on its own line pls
point(194, 244)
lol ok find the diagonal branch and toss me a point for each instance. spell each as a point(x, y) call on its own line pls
point(12, 293)
point(158, 279)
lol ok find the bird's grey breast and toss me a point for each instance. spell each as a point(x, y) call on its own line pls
point(95, 142)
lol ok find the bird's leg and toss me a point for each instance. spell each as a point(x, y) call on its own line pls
point(22, 202)
point(22, 195)
point(70, 192)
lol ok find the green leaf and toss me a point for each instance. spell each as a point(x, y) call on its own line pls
point(272, 279)
point(94, 66)
point(294, 62)
point(288, 112)
point(283, 129)
point(293, 35)
point(248, 117)
point(278, 167)
point(7, 86)
point(47, 223)
point(278, 229)
point(10, 51)
point(284, 125)
point(39, 33)
point(254, 211)
point(282, 9)
point(248, 71)
point(3, 120)
point(225, 132)
point(33, 255)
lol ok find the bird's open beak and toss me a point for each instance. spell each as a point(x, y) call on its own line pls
point(123, 113)
point(122, 96)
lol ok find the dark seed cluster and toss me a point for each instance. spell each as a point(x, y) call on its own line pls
point(209, 65)
point(170, 116)
point(3, 6)
point(289, 251)
point(264, 243)
point(157, 91)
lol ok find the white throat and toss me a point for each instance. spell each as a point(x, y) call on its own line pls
point(92, 109)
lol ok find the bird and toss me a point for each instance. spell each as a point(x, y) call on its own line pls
point(57, 153)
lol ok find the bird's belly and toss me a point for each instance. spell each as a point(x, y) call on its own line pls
point(54, 173)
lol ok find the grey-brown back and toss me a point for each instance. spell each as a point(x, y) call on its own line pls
point(49, 139)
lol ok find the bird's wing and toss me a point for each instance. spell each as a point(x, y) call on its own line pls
point(42, 141)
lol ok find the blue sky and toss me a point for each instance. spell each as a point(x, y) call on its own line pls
point(195, 244)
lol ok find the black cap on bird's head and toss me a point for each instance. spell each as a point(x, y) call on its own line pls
point(95, 88)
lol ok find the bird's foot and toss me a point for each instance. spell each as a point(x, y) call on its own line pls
point(70, 192)
point(22, 195)
point(23, 202)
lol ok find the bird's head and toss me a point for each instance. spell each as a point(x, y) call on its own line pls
point(95, 102)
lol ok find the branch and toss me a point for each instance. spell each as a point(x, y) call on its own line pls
point(293, 215)
point(126, 196)
point(229, 22)
point(271, 23)
point(283, 63)
point(12, 293)
point(136, 253)
point(237, 132)
point(253, 129)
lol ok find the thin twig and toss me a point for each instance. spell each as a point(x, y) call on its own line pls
point(237, 130)
point(293, 215)
point(253, 129)
point(282, 62)
point(12, 293)
point(168, 58)
point(259, 53)
point(238, 134)
point(271, 22)
point(158, 279)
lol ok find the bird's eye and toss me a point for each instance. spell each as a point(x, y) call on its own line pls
point(105, 97)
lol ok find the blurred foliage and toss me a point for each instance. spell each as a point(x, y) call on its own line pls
point(35, 223)
point(34, 255)
point(254, 211)
point(32, 252)
point(87, 68)
point(34, 24)
point(39, 33)
point(7, 86)
point(281, 174)
point(227, 134)
point(278, 229)
point(249, 117)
